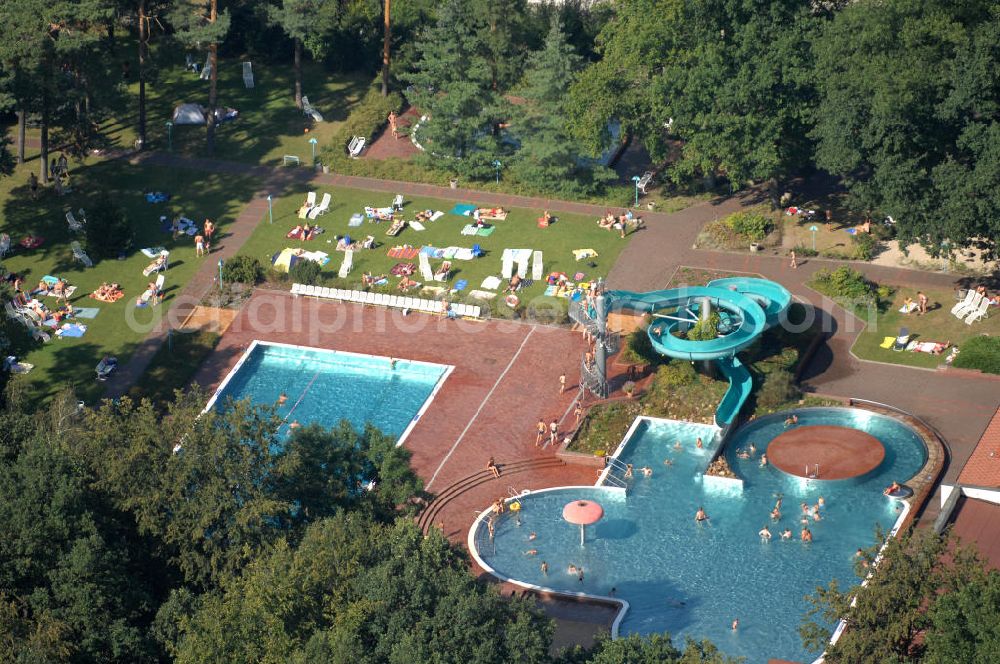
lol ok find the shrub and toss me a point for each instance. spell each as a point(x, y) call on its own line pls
point(843, 282)
point(804, 252)
point(242, 269)
point(778, 389)
point(751, 225)
point(705, 329)
point(865, 246)
point(981, 353)
point(720, 235)
point(305, 272)
point(366, 119)
point(548, 313)
point(675, 374)
point(108, 231)
point(638, 348)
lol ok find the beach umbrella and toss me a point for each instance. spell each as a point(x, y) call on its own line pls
point(582, 513)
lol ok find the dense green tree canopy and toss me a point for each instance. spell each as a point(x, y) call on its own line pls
point(908, 115)
point(731, 80)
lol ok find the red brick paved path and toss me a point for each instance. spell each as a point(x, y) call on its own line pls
point(505, 379)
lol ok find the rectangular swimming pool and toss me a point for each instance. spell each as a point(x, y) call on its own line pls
point(327, 386)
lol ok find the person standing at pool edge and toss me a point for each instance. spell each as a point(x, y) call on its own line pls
point(540, 429)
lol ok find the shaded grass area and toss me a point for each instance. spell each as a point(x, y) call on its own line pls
point(120, 326)
point(518, 231)
point(938, 324)
point(174, 365)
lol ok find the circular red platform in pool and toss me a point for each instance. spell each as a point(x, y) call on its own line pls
point(840, 453)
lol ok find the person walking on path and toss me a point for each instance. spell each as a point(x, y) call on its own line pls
point(209, 228)
point(553, 432)
point(540, 429)
point(578, 412)
point(199, 245)
point(392, 124)
point(793, 263)
point(562, 383)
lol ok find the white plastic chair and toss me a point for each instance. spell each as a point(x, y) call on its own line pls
point(322, 208)
point(247, 75)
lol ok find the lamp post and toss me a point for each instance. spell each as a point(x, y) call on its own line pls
point(170, 136)
point(635, 179)
point(813, 230)
point(220, 275)
point(497, 165)
point(270, 210)
point(312, 144)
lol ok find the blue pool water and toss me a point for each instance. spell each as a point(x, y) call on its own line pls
point(326, 386)
point(693, 580)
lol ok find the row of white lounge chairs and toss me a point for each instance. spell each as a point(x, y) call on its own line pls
point(975, 306)
point(386, 300)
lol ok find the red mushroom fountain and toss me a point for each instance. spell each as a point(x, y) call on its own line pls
point(582, 513)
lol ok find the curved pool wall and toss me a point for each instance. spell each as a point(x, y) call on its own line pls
point(672, 575)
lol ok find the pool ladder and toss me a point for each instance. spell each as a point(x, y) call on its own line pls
point(614, 480)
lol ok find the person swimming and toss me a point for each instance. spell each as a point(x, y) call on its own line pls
point(668, 462)
point(786, 534)
point(532, 536)
point(646, 471)
point(763, 460)
point(743, 454)
point(700, 516)
point(765, 534)
point(628, 470)
point(736, 624)
point(531, 552)
point(753, 449)
point(775, 514)
point(677, 444)
point(545, 568)
point(806, 535)
point(282, 398)
point(891, 489)
point(698, 443)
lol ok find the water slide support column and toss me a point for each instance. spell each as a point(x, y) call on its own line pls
point(600, 355)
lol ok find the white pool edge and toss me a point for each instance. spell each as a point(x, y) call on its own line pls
point(623, 605)
point(448, 368)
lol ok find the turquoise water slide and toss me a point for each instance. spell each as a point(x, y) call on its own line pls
point(746, 307)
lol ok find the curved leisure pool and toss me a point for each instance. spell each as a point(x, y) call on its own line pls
point(693, 580)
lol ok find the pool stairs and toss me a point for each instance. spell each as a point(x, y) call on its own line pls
point(426, 518)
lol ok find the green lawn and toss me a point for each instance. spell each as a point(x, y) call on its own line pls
point(119, 326)
point(518, 231)
point(937, 325)
point(269, 125)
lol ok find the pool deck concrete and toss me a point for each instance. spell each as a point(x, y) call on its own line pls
point(506, 378)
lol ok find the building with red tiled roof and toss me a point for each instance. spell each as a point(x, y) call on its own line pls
point(983, 467)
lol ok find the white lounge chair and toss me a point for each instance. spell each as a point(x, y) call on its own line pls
point(979, 313)
point(645, 181)
point(965, 302)
point(206, 71)
point(106, 367)
point(425, 267)
point(74, 223)
point(397, 202)
point(536, 266)
point(247, 75)
point(307, 109)
point(356, 145)
point(345, 267)
point(322, 208)
point(81, 255)
point(969, 308)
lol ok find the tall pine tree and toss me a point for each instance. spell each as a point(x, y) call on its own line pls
point(548, 156)
point(453, 87)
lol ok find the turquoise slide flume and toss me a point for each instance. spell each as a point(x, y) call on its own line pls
point(746, 307)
